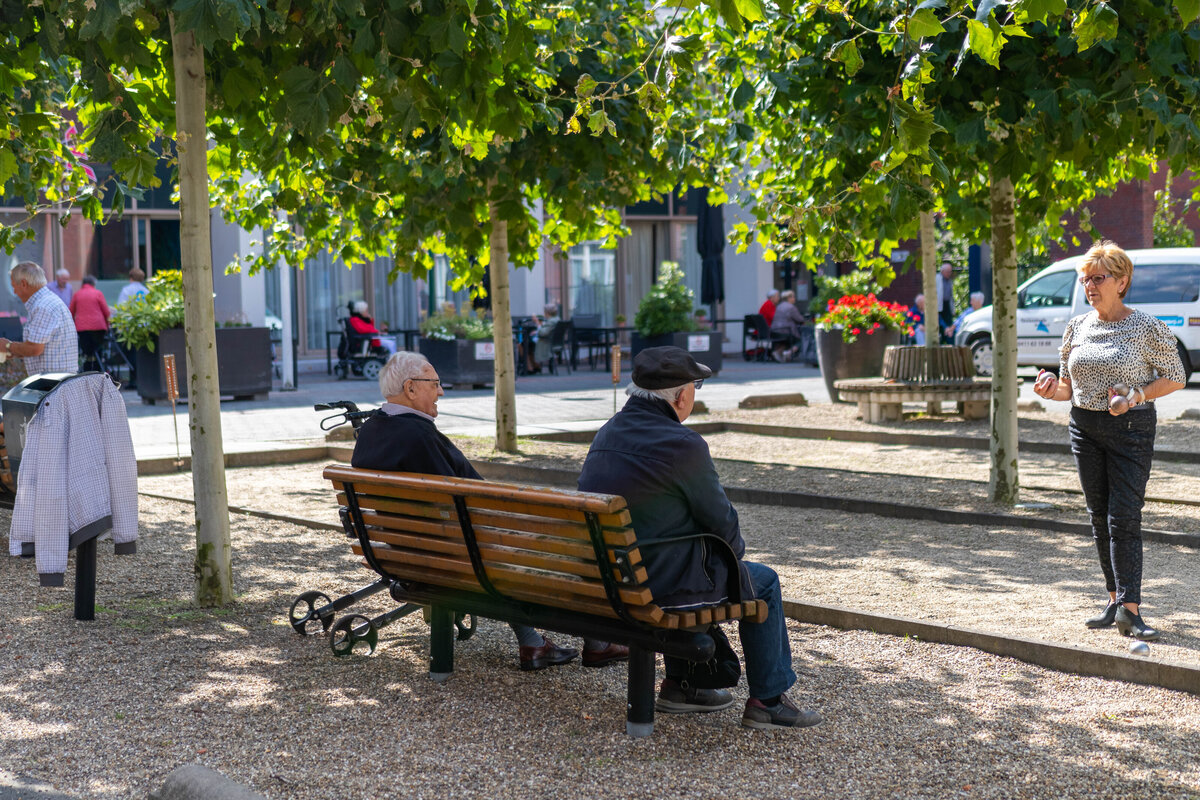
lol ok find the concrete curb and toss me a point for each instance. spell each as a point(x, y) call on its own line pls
point(871, 437)
point(1062, 658)
point(196, 782)
point(853, 505)
point(772, 400)
point(246, 458)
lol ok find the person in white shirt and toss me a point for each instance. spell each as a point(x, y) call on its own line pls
point(135, 287)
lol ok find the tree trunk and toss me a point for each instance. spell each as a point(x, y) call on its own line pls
point(214, 573)
point(505, 379)
point(929, 278)
point(1004, 486)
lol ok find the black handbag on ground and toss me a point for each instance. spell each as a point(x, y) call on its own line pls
point(722, 671)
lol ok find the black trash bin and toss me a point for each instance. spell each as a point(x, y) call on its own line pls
point(19, 404)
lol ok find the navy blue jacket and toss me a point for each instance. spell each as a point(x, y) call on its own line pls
point(666, 475)
point(408, 443)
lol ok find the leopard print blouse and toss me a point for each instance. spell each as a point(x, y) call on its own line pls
point(1096, 355)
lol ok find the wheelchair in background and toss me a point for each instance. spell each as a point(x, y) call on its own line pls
point(356, 356)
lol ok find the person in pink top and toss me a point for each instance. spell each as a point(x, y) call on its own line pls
point(91, 313)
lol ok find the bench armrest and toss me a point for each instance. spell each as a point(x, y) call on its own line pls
point(739, 578)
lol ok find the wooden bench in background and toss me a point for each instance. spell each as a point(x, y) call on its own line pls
point(562, 560)
point(919, 374)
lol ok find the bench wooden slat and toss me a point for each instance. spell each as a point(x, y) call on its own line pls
point(489, 535)
point(499, 554)
point(650, 614)
point(412, 484)
point(615, 531)
point(500, 574)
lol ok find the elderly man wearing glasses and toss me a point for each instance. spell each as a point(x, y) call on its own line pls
point(401, 437)
point(666, 475)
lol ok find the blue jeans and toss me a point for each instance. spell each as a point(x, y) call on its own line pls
point(1113, 457)
point(765, 645)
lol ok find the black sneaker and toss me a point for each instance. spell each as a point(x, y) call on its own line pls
point(783, 714)
point(674, 699)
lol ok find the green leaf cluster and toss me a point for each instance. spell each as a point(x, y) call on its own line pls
point(668, 306)
point(448, 324)
point(138, 321)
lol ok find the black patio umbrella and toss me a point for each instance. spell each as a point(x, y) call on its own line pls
point(710, 244)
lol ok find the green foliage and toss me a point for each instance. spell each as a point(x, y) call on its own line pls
point(667, 308)
point(831, 287)
point(448, 325)
point(1170, 221)
point(138, 321)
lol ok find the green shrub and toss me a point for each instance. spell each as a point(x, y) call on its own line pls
point(668, 306)
point(138, 321)
point(448, 325)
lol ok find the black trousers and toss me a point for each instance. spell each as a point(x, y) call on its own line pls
point(89, 343)
point(1113, 457)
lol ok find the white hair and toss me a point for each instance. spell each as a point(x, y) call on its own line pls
point(360, 307)
point(670, 395)
point(771, 293)
point(62, 273)
point(29, 272)
point(977, 296)
point(401, 368)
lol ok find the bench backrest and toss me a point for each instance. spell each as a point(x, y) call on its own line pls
point(567, 549)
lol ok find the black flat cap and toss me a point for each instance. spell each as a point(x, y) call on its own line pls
point(666, 367)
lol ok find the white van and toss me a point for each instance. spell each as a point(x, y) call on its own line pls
point(1166, 284)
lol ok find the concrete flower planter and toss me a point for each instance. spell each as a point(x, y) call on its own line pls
point(862, 358)
point(243, 364)
point(461, 362)
point(705, 346)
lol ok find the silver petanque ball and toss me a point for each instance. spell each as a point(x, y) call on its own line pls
point(1121, 389)
point(1139, 649)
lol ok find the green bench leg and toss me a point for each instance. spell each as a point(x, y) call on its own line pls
point(441, 643)
point(639, 719)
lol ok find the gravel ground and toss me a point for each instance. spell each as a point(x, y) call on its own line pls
point(106, 709)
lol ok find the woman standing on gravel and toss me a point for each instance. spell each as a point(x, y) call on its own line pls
point(1115, 360)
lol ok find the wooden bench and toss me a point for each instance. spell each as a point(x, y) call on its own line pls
point(562, 560)
point(919, 374)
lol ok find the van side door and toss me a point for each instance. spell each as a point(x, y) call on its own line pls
point(1043, 311)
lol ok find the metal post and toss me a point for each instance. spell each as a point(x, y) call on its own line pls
point(85, 580)
point(441, 643)
point(639, 718)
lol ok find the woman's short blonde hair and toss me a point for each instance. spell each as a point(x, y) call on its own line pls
point(1110, 258)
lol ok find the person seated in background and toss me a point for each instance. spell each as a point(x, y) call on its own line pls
point(767, 309)
point(402, 437)
point(787, 322)
point(543, 339)
point(362, 324)
point(91, 313)
point(976, 303)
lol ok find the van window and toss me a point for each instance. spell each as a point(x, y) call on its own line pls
point(1164, 283)
point(1052, 290)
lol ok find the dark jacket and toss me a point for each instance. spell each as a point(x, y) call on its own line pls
point(666, 475)
point(408, 443)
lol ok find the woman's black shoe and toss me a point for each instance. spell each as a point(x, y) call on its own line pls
point(1130, 624)
point(1105, 619)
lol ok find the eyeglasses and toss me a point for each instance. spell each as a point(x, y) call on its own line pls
point(1094, 280)
point(698, 383)
point(438, 381)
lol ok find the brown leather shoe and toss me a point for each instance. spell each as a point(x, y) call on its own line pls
point(609, 655)
point(548, 655)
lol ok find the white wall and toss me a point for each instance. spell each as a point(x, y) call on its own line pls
point(238, 297)
point(747, 277)
point(527, 287)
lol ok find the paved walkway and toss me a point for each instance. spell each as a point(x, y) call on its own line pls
point(544, 403)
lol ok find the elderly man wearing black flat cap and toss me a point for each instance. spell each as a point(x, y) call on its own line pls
point(666, 475)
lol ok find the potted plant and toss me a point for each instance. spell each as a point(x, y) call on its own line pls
point(151, 326)
point(666, 317)
point(853, 334)
point(459, 346)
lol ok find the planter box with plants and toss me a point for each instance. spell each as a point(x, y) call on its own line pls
point(152, 326)
point(855, 329)
point(665, 317)
point(460, 347)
